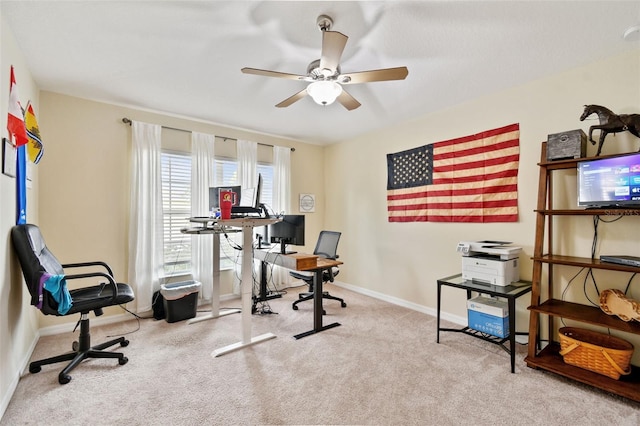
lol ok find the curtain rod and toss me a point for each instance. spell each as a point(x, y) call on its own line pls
point(225, 138)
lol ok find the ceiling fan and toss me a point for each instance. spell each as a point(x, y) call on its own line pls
point(324, 75)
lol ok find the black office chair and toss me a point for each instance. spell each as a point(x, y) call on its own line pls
point(327, 247)
point(38, 265)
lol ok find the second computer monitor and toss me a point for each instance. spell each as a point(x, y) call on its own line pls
point(214, 195)
point(289, 231)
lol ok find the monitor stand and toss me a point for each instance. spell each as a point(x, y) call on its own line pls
point(283, 248)
point(261, 244)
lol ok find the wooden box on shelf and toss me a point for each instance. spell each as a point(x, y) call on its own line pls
point(570, 144)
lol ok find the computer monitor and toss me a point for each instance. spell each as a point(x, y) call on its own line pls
point(289, 231)
point(258, 201)
point(250, 197)
point(250, 203)
point(214, 195)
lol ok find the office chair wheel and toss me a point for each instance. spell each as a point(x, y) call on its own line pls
point(295, 307)
point(74, 346)
point(33, 369)
point(63, 379)
point(344, 305)
point(123, 360)
point(124, 343)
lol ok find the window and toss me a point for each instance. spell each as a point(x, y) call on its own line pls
point(227, 174)
point(176, 204)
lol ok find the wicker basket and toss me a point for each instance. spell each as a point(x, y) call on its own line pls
point(597, 352)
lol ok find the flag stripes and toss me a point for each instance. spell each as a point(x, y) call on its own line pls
point(468, 179)
point(15, 119)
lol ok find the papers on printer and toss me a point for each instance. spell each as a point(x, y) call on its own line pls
point(492, 262)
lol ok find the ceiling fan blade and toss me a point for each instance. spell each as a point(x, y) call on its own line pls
point(333, 43)
point(277, 74)
point(348, 101)
point(295, 98)
point(386, 74)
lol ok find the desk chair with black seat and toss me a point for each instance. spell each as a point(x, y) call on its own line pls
point(327, 247)
point(45, 278)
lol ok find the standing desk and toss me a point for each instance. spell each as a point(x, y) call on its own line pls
point(246, 224)
point(304, 262)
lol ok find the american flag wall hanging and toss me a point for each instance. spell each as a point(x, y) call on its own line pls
point(469, 179)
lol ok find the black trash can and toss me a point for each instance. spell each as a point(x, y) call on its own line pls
point(180, 300)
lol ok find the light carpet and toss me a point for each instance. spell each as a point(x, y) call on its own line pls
point(381, 367)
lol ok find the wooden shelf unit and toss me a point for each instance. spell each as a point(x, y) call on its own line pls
point(549, 357)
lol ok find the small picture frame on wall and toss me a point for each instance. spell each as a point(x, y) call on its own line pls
point(8, 158)
point(307, 203)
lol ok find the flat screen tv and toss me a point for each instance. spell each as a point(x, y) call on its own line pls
point(288, 231)
point(610, 182)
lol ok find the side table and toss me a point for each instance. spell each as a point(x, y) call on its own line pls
point(510, 292)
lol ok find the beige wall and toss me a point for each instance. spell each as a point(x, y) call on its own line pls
point(404, 260)
point(18, 322)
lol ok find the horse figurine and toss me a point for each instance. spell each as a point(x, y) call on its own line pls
point(610, 123)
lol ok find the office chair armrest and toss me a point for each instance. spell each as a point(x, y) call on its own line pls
point(326, 255)
point(109, 278)
point(331, 273)
point(85, 264)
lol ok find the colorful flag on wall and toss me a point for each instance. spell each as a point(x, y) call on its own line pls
point(35, 148)
point(468, 179)
point(15, 122)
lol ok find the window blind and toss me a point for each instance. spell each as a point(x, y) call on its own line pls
point(176, 205)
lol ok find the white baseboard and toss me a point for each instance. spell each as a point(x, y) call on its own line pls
point(456, 319)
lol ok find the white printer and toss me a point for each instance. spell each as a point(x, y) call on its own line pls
point(491, 262)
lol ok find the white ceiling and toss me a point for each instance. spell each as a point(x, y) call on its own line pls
point(184, 57)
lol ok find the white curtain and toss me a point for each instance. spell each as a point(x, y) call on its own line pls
point(281, 179)
point(281, 201)
point(145, 213)
point(247, 152)
point(202, 175)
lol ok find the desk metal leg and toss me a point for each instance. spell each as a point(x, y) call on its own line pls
point(246, 291)
point(512, 331)
point(438, 311)
point(215, 291)
point(317, 308)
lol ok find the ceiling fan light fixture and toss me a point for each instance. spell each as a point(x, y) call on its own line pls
point(324, 92)
point(632, 33)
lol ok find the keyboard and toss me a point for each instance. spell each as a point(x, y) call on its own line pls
point(244, 210)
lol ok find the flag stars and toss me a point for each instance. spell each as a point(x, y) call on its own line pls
point(411, 168)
